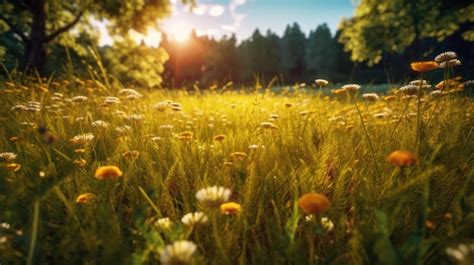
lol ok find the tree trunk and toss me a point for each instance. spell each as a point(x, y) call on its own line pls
point(35, 47)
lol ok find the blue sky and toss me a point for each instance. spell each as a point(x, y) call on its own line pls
point(219, 17)
point(223, 17)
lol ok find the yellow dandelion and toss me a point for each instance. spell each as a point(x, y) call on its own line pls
point(230, 208)
point(108, 172)
point(402, 158)
point(85, 198)
point(314, 203)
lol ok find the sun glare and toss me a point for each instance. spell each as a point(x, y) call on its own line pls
point(180, 31)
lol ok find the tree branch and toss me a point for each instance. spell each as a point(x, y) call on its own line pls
point(14, 28)
point(64, 28)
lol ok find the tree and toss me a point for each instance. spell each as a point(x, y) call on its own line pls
point(320, 56)
point(136, 63)
point(38, 23)
point(293, 49)
point(392, 26)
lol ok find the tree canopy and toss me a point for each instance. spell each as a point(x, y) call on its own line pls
point(38, 23)
point(392, 26)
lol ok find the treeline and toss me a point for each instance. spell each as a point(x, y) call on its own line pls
point(291, 58)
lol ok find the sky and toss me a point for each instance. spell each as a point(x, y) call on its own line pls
point(217, 18)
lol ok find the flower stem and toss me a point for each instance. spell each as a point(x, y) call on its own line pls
point(368, 138)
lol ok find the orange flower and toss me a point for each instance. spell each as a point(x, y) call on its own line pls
point(220, 137)
point(314, 203)
point(339, 91)
point(85, 198)
point(13, 167)
point(131, 154)
point(80, 162)
point(186, 136)
point(108, 172)
point(424, 66)
point(230, 208)
point(402, 158)
point(238, 155)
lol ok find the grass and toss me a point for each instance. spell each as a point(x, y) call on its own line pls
point(394, 216)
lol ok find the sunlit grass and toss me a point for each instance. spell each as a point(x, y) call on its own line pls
point(98, 171)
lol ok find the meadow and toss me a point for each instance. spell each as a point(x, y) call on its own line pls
point(92, 173)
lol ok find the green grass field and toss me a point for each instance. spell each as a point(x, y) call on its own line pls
point(274, 148)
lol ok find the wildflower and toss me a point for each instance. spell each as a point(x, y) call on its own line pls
point(213, 196)
point(100, 124)
point(178, 253)
point(424, 66)
point(409, 89)
point(370, 96)
point(450, 63)
point(268, 125)
point(18, 107)
point(195, 219)
point(8, 156)
point(123, 130)
point(186, 136)
point(381, 115)
point(129, 92)
point(162, 106)
point(274, 116)
point(13, 167)
point(220, 137)
point(230, 208)
point(321, 82)
point(130, 154)
point(463, 253)
point(351, 87)
point(327, 224)
point(82, 138)
point(164, 223)
point(402, 158)
point(79, 99)
point(314, 203)
point(445, 56)
point(228, 164)
point(435, 93)
point(108, 172)
point(112, 100)
point(79, 162)
point(288, 104)
point(238, 155)
point(389, 98)
point(85, 198)
point(14, 139)
point(166, 127)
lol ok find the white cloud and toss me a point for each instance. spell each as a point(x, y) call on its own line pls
point(216, 10)
point(200, 9)
point(236, 17)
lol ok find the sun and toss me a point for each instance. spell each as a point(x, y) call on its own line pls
point(180, 31)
